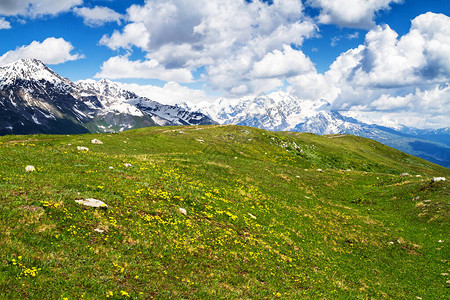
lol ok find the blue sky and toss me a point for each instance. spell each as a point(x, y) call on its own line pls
point(380, 58)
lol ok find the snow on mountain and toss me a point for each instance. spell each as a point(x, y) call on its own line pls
point(169, 114)
point(110, 95)
point(35, 99)
point(31, 70)
point(277, 111)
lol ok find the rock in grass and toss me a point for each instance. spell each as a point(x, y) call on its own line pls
point(251, 216)
point(127, 165)
point(97, 142)
point(99, 230)
point(30, 169)
point(92, 203)
point(404, 174)
point(183, 211)
point(84, 149)
point(437, 179)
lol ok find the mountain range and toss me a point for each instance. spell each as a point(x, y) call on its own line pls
point(34, 99)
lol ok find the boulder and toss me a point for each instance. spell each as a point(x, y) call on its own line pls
point(30, 169)
point(84, 149)
point(92, 203)
point(183, 211)
point(97, 142)
point(437, 179)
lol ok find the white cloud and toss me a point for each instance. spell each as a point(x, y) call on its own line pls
point(422, 108)
point(387, 64)
point(98, 16)
point(51, 51)
point(313, 86)
point(171, 93)
point(434, 100)
point(4, 24)
point(280, 64)
point(35, 8)
point(133, 34)
point(225, 37)
point(399, 78)
point(350, 13)
point(121, 67)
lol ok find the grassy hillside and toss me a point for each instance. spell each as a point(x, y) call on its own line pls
point(262, 221)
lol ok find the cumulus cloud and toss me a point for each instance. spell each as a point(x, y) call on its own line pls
point(226, 38)
point(4, 24)
point(390, 75)
point(171, 93)
point(133, 34)
point(392, 65)
point(422, 108)
point(436, 100)
point(350, 13)
point(286, 63)
point(121, 67)
point(35, 8)
point(51, 51)
point(98, 16)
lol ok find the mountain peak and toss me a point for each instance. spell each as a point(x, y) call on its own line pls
point(28, 69)
point(27, 64)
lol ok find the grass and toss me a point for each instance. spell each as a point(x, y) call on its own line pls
point(262, 221)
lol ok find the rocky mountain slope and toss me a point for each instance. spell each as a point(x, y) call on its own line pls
point(35, 99)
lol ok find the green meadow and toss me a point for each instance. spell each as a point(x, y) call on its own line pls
point(269, 215)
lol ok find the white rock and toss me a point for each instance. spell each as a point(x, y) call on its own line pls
point(418, 176)
point(92, 202)
point(99, 230)
point(111, 168)
point(97, 142)
point(127, 165)
point(30, 169)
point(319, 170)
point(437, 179)
point(404, 174)
point(183, 211)
point(251, 216)
point(80, 148)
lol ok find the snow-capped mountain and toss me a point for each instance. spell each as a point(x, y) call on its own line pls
point(35, 99)
point(281, 111)
point(277, 111)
